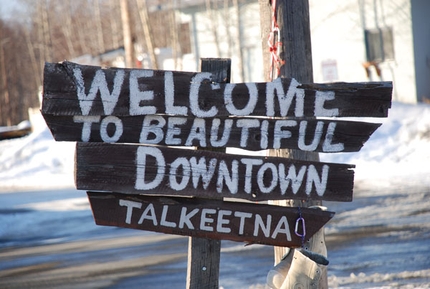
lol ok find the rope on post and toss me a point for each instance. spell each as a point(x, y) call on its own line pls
point(273, 43)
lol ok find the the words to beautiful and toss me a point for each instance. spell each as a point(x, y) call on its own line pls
point(155, 128)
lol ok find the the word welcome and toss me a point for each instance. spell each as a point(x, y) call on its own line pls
point(276, 96)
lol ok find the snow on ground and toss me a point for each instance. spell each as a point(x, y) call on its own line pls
point(398, 152)
point(392, 185)
point(36, 161)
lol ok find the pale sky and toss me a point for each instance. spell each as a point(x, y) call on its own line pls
point(7, 7)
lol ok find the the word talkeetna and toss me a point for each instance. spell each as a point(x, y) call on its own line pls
point(245, 222)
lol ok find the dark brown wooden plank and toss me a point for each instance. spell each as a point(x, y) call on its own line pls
point(158, 170)
point(213, 219)
point(15, 131)
point(141, 92)
point(328, 136)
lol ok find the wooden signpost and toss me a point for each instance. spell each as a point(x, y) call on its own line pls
point(77, 90)
point(123, 119)
point(159, 170)
point(243, 222)
point(251, 134)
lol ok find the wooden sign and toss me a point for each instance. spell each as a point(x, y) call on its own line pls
point(243, 222)
point(138, 169)
point(328, 136)
point(72, 89)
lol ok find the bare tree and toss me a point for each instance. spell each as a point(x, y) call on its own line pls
point(50, 30)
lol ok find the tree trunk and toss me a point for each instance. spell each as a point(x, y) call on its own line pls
point(128, 42)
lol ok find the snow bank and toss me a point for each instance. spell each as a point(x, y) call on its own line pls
point(397, 153)
point(36, 161)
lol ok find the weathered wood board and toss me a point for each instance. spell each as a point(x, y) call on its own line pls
point(140, 169)
point(328, 136)
point(242, 222)
point(72, 89)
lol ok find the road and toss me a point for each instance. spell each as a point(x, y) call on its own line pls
point(48, 239)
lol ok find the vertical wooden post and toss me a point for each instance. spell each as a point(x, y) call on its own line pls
point(204, 254)
point(295, 50)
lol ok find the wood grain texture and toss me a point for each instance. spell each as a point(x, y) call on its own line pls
point(351, 134)
point(295, 39)
point(130, 168)
point(222, 220)
point(204, 254)
point(60, 94)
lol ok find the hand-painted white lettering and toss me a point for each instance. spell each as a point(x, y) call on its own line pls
point(130, 205)
point(137, 96)
point(173, 130)
point(221, 221)
point(292, 178)
point(259, 224)
point(314, 178)
point(248, 172)
point(280, 134)
point(284, 99)
point(141, 156)
point(224, 177)
point(169, 93)
point(149, 214)
point(152, 125)
point(215, 142)
point(194, 96)
point(141, 99)
point(320, 98)
point(197, 132)
point(242, 216)
point(245, 124)
point(206, 220)
point(327, 145)
point(317, 136)
point(99, 83)
point(264, 139)
point(260, 178)
point(163, 221)
point(151, 167)
point(200, 170)
point(249, 107)
point(174, 175)
point(115, 121)
point(185, 218)
point(282, 227)
point(86, 127)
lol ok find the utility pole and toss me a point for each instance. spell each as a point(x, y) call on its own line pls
point(292, 44)
point(128, 42)
point(100, 40)
point(149, 39)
